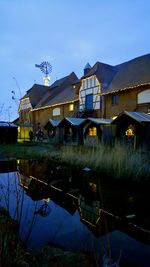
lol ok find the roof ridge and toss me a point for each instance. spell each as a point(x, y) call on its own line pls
point(133, 59)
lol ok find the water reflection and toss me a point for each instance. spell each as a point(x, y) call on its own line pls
point(52, 205)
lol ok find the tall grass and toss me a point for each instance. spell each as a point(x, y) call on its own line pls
point(116, 162)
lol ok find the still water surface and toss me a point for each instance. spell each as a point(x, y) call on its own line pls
point(57, 207)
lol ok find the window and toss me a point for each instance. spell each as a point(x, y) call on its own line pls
point(92, 131)
point(114, 99)
point(25, 104)
point(71, 107)
point(89, 101)
point(56, 111)
point(144, 97)
point(130, 131)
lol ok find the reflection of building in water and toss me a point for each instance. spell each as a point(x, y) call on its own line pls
point(89, 200)
point(24, 181)
point(91, 209)
point(40, 190)
point(40, 169)
point(99, 221)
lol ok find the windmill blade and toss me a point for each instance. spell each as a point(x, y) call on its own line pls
point(45, 67)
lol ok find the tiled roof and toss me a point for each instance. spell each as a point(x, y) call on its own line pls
point(127, 75)
point(35, 93)
point(130, 74)
point(103, 72)
point(60, 91)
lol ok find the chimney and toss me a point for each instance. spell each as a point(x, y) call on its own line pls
point(87, 68)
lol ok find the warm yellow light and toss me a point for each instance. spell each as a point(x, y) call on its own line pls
point(93, 187)
point(113, 118)
point(129, 132)
point(93, 131)
point(71, 107)
point(46, 200)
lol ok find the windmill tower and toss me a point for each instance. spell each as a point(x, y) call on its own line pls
point(46, 68)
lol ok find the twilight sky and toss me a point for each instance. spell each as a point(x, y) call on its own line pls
point(68, 34)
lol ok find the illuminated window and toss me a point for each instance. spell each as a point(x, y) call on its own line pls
point(71, 107)
point(130, 131)
point(92, 131)
point(93, 187)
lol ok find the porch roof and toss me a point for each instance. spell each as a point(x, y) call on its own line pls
point(137, 116)
point(54, 123)
point(100, 120)
point(73, 121)
point(7, 124)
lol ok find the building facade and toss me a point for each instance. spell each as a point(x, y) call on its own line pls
point(103, 92)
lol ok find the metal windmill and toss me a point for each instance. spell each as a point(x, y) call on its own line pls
point(46, 68)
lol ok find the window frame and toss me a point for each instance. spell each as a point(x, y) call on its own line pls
point(115, 99)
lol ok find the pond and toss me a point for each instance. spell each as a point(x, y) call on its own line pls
point(76, 211)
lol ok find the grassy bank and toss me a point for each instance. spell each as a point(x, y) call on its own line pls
point(116, 162)
point(26, 150)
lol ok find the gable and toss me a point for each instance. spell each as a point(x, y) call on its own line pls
point(90, 86)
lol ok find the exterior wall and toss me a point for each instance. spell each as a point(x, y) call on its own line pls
point(92, 140)
point(140, 137)
point(104, 135)
point(24, 110)
point(42, 116)
point(89, 86)
point(144, 96)
point(72, 135)
point(23, 133)
point(127, 100)
point(55, 137)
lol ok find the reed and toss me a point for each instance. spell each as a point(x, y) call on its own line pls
point(116, 162)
